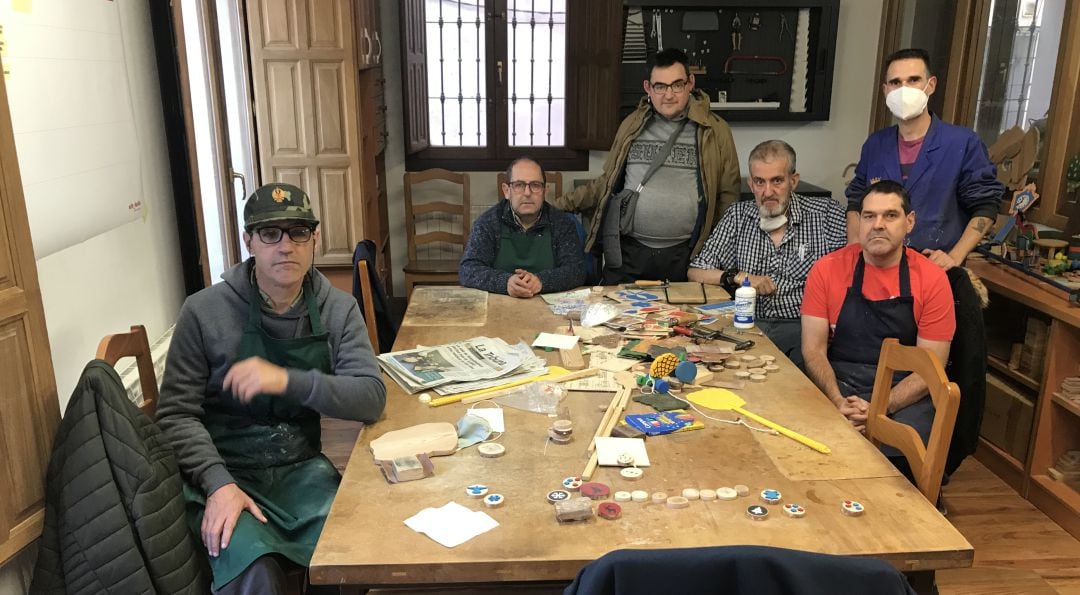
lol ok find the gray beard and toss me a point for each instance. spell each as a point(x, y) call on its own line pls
point(772, 223)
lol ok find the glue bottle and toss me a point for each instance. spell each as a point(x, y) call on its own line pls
point(745, 302)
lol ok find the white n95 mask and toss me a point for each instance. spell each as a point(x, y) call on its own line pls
point(906, 102)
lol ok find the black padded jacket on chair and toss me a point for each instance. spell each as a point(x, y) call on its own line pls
point(967, 367)
point(114, 507)
point(386, 324)
point(735, 570)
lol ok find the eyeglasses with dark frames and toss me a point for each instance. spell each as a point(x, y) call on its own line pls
point(662, 88)
point(520, 186)
point(299, 234)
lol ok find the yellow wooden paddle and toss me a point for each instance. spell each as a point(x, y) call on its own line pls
point(722, 399)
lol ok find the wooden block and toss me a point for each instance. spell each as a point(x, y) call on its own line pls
point(433, 439)
point(571, 358)
point(574, 509)
point(407, 468)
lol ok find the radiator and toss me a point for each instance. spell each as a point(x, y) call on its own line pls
point(130, 375)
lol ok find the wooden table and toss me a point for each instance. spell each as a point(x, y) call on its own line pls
point(365, 541)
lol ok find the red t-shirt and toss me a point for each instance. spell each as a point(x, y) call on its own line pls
point(829, 279)
point(909, 153)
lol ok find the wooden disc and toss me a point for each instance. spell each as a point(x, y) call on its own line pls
point(677, 502)
point(491, 450)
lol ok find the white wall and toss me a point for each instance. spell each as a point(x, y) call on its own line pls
point(823, 148)
point(128, 275)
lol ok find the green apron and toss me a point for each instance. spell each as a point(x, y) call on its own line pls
point(518, 250)
point(271, 447)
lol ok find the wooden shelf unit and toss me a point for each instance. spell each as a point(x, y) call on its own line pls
point(1056, 425)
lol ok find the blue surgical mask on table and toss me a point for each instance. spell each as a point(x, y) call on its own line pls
point(906, 102)
point(472, 429)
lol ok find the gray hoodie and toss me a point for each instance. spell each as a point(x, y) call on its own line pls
point(204, 347)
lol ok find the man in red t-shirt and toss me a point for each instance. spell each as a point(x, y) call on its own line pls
point(862, 294)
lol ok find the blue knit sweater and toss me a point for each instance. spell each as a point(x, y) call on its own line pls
point(476, 263)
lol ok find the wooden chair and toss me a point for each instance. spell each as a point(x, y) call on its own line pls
point(553, 178)
point(367, 295)
point(442, 271)
point(135, 344)
point(927, 462)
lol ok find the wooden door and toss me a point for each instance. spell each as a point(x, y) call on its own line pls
point(303, 68)
point(29, 409)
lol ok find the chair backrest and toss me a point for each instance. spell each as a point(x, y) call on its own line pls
point(553, 178)
point(927, 461)
point(367, 296)
point(412, 210)
point(135, 344)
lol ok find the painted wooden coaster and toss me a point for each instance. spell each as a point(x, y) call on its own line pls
point(476, 490)
point(794, 511)
point(852, 508)
point(594, 490)
point(558, 496)
point(608, 510)
point(572, 483)
point(757, 512)
point(770, 496)
point(494, 500)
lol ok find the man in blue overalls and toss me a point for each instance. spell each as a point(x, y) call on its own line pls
point(254, 361)
point(945, 168)
point(860, 295)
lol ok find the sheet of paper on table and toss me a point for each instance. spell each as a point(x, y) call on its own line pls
point(555, 341)
point(609, 449)
point(602, 381)
point(452, 524)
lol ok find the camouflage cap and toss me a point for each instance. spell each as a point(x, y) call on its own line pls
point(278, 202)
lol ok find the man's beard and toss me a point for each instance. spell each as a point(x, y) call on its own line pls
point(773, 221)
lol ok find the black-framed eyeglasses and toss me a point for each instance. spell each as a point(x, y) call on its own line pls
point(520, 186)
point(299, 234)
point(676, 86)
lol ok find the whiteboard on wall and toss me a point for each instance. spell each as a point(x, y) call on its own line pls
point(75, 130)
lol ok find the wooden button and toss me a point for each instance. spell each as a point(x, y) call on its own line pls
point(572, 483)
point(493, 500)
point(558, 438)
point(758, 378)
point(563, 426)
point(631, 473)
point(742, 374)
point(424, 398)
point(625, 460)
point(742, 490)
point(757, 371)
point(852, 508)
point(772, 369)
point(768, 358)
point(726, 493)
point(639, 496)
point(732, 364)
point(707, 495)
point(659, 498)
point(623, 496)
point(691, 494)
point(677, 502)
point(491, 450)
point(748, 358)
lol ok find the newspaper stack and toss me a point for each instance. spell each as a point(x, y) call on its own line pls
point(474, 364)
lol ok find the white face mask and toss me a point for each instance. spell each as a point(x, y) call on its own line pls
point(906, 102)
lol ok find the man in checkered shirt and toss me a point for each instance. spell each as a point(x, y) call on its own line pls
point(774, 241)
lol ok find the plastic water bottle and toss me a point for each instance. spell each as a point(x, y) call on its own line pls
point(745, 302)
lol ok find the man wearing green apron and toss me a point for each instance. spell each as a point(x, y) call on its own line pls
point(253, 364)
point(523, 246)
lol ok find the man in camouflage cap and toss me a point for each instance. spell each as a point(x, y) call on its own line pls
point(253, 363)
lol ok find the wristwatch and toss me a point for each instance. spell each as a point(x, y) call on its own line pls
point(727, 280)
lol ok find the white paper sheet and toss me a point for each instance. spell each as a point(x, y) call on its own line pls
point(452, 524)
point(555, 341)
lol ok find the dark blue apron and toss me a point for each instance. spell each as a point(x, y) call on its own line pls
point(856, 344)
point(271, 446)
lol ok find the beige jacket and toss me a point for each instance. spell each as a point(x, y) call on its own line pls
point(718, 167)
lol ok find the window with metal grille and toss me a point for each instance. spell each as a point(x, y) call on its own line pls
point(496, 78)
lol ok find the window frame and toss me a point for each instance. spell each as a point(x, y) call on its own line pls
point(499, 152)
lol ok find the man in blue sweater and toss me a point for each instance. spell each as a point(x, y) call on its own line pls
point(522, 246)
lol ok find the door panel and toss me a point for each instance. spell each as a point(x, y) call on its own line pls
point(29, 409)
point(306, 112)
point(279, 26)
